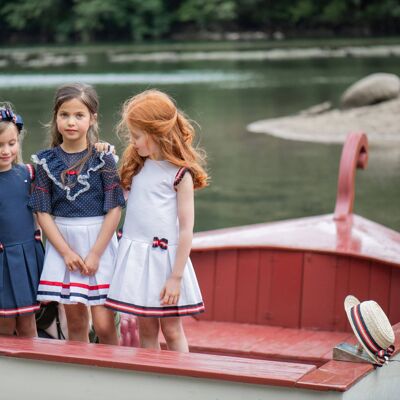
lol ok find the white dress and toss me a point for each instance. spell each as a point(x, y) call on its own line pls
point(142, 269)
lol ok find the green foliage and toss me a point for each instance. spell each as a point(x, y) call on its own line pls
point(303, 10)
point(19, 14)
point(334, 12)
point(56, 21)
point(136, 19)
point(206, 14)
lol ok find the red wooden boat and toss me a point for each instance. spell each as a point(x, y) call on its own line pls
point(274, 294)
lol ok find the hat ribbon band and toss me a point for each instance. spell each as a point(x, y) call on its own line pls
point(381, 354)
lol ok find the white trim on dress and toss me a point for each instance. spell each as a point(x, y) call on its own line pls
point(82, 179)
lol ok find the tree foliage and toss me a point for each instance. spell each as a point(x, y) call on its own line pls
point(58, 21)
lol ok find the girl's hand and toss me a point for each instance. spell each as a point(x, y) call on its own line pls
point(104, 146)
point(74, 262)
point(171, 291)
point(92, 261)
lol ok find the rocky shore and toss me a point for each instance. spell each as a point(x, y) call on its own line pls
point(380, 121)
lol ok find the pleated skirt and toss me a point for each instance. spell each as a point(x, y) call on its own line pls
point(57, 283)
point(20, 269)
point(140, 274)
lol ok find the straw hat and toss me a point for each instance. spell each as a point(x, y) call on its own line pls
point(371, 327)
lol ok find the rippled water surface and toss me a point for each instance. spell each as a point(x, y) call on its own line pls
point(255, 178)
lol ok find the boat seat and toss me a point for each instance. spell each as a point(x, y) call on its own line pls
point(162, 362)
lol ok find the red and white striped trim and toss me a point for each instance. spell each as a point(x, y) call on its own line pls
point(184, 310)
point(363, 333)
point(179, 176)
point(31, 171)
point(20, 310)
point(75, 284)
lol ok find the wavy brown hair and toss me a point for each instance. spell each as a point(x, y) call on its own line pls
point(155, 113)
point(88, 96)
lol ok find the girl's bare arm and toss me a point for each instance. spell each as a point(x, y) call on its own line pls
point(107, 230)
point(185, 197)
point(72, 260)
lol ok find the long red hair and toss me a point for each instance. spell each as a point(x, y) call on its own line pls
point(155, 113)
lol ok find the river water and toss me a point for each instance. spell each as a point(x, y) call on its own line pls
point(254, 177)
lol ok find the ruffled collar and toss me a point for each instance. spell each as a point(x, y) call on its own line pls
point(52, 162)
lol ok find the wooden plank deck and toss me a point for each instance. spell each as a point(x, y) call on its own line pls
point(262, 342)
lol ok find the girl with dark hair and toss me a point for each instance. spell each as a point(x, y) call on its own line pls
point(80, 188)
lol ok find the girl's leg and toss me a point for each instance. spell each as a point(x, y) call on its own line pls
point(104, 325)
point(148, 332)
point(174, 334)
point(8, 326)
point(78, 322)
point(26, 326)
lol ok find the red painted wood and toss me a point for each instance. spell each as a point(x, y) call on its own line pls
point(300, 345)
point(164, 362)
point(264, 342)
point(354, 155)
point(338, 375)
point(341, 291)
point(359, 278)
point(264, 312)
point(318, 292)
point(269, 287)
point(280, 289)
point(227, 338)
point(394, 307)
point(380, 285)
point(225, 285)
point(334, 375)
point(330, 376)
point(247, 286)
point(204, 264)
point(396, 330)
point(359, 281)
point(357, 237)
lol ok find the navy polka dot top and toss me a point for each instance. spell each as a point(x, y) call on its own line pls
point(91, 192)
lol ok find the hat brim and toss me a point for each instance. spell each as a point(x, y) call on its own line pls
point(349, 303)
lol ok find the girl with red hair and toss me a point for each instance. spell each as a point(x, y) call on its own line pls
point(154, 277)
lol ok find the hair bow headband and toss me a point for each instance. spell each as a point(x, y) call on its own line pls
point(7, 115)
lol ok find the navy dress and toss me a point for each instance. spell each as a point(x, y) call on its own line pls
point(79, 203)
point(21, 255)
point(91, 192)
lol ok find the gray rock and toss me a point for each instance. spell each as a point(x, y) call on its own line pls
point(317, 109)
point(372, 89)
point(379, 121)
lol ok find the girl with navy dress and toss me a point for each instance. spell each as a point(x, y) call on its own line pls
point(21, 250)
point(154, 278)
point(78, 198)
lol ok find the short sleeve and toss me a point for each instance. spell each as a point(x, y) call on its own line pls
point(31, 171)
point(113, 194)
point(40, 200)
point(179, 176)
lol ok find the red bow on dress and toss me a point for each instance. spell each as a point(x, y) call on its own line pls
point(162, 243)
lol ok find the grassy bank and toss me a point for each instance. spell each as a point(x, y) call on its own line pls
point(204, 45)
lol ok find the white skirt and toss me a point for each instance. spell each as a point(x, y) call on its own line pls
point(57, 283)
point(140, 274)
